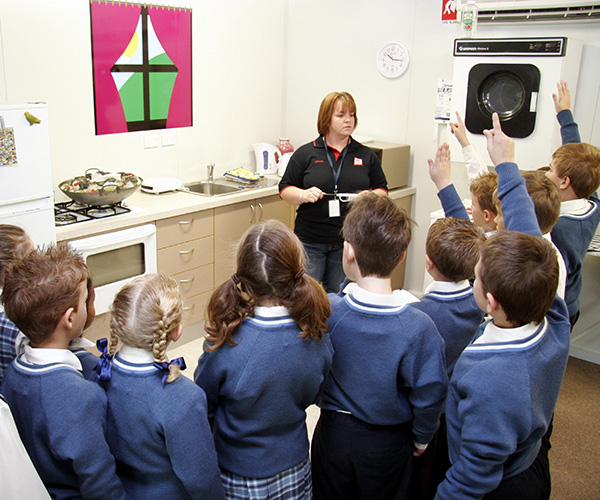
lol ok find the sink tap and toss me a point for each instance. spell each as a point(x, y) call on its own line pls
point(210, 168)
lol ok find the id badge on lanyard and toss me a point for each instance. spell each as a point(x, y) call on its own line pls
point(334, 205)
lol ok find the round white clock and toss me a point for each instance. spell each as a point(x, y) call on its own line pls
point(392, 59)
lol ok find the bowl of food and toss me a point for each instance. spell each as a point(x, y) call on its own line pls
point(97, 188)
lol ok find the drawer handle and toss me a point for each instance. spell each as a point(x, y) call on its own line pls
point(183, 222)
point(185, 252)
point(187, 280)
point(188, 308)
point(252, 210)
point(260, 216)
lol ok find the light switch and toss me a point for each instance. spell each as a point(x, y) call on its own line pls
point(169, 139)
point(151, 141)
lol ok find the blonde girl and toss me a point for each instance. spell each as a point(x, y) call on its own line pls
point(266, 356)
point(157, 421)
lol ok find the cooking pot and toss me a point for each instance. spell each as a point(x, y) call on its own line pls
point(100, 188)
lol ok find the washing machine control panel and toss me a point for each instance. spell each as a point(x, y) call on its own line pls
point(510, 47)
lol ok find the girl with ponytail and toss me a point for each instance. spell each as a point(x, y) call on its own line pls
point(265, 357)
point(158, 428)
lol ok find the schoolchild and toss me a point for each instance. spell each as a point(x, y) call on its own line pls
point(158, 427)
point(497, 410)
point(575, 169)
point(482, 183)
point(14, 244)
point(80, 345)
point(546, 203)
point(265, 359)
point(61, 416)
point(452, 250)
point(382, 399)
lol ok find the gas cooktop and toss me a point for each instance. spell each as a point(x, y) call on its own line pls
point(71, 212)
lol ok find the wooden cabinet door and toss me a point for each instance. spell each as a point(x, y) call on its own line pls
point(231, 221)
point(273, 207)
point(398, 274)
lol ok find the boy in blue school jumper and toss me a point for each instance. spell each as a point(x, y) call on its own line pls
point(61, 416)
point(506, 382)
point(575, 169)
point(452, 248)
point(158, 427)
point(383, 397)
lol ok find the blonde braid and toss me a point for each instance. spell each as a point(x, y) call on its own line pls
point(114, 342)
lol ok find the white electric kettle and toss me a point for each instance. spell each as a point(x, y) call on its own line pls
point(267, 158)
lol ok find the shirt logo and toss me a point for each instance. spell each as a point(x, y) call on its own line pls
point(358, 161)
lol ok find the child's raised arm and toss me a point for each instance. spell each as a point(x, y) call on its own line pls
point(440, 171)
point(569, 131)
point(475, 164)
point(562, 99)
point(517, 208)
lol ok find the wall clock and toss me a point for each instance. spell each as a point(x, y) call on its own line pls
point(392, 59)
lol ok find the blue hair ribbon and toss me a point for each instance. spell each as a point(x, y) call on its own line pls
point(164, 367)
point(103, 367)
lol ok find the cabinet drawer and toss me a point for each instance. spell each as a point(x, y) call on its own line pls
point(194, 308)
point(184, 228)
point(186, 256)
point(196, 281)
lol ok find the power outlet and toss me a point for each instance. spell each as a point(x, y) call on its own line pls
point(169, 139)
point(151, 141)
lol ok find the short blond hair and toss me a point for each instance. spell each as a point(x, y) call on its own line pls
point(482, 188)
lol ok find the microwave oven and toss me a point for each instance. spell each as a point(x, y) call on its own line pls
point(116, 258)
point(395, 159)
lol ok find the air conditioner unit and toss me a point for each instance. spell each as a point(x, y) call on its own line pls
point(524, 11)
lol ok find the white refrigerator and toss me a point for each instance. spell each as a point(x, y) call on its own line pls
point(26, 196)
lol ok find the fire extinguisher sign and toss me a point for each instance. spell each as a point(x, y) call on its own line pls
point(449, 11)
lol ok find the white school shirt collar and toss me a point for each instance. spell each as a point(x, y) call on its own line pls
point(574, 207)
point(271, 311)
point(396, 299)
point(81, 343)
point(446, 286)
point(493, 334)
point(42, 356)
point(135, 355)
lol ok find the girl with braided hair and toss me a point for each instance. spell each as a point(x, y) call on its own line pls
point(158, 429)
point(265, 358)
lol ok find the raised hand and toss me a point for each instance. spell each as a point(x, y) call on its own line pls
point(459, 131)
point(501, 148)
point(562, 100)
point(440, 169)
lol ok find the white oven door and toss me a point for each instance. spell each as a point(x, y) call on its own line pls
point(116, 258)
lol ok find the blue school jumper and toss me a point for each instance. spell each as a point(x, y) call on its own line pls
point(61, 418)
point(258, 391)
point(159, 435)
point(453, 309)
point(8, 336)
point(505, 384)
point(388, 367)
point(576, 225)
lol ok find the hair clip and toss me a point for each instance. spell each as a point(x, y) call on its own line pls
point(103, 368)
point(299, 275)
point(236, 279)
point(164, 366)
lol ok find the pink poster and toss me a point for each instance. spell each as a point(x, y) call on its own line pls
point(142, 62)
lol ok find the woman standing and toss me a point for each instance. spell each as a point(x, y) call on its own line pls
point(318, 176)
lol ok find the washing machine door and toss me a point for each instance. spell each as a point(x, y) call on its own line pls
point(510, 90)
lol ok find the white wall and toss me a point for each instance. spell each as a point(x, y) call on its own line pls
point(260, 71)
point(238, 54)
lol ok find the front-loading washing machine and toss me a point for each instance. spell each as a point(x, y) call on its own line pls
point(516, 78)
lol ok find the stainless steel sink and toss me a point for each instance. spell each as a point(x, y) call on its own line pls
point(208, 188)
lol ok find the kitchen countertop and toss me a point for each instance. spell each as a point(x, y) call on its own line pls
point(147, 208)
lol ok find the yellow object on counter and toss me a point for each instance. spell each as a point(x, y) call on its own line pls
point(243, 175)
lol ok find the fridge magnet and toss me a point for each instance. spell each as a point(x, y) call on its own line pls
point(32, 119)
point(8, 149)
point(142, 64)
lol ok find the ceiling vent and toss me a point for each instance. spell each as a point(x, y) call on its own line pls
point(528, 11)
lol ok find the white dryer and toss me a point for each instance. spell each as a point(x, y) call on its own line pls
point(516, 78)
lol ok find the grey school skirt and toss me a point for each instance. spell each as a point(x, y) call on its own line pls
point(292, 484)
